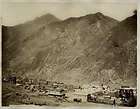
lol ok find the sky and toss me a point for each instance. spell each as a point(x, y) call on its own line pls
point(19, 11)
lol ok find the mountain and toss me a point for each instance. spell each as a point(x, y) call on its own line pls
point(77, 50)
point(13, 36)
point(124, 47)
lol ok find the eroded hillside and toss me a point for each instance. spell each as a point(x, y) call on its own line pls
point(78, 50)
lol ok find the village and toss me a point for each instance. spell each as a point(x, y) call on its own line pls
point(43, 92)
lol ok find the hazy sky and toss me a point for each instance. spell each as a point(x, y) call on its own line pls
point(18, 12)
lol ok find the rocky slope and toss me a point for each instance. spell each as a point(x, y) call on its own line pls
point(78, 50)
point(14, 36)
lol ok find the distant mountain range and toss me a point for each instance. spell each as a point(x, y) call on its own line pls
point(78, 50)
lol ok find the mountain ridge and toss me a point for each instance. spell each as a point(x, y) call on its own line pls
point(73, 46)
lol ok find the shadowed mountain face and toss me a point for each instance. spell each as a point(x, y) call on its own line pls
point(75, 51)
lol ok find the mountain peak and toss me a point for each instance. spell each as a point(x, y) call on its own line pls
point(99, 13)
point(47, 16)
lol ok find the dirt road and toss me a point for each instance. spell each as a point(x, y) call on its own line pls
point(74, 106)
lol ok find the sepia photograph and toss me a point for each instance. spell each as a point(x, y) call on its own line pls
point(64, 53)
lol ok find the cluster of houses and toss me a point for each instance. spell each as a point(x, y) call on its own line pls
point(97, 94)
point(45, 88)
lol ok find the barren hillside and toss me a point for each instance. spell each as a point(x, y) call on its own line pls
point(77, 50)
